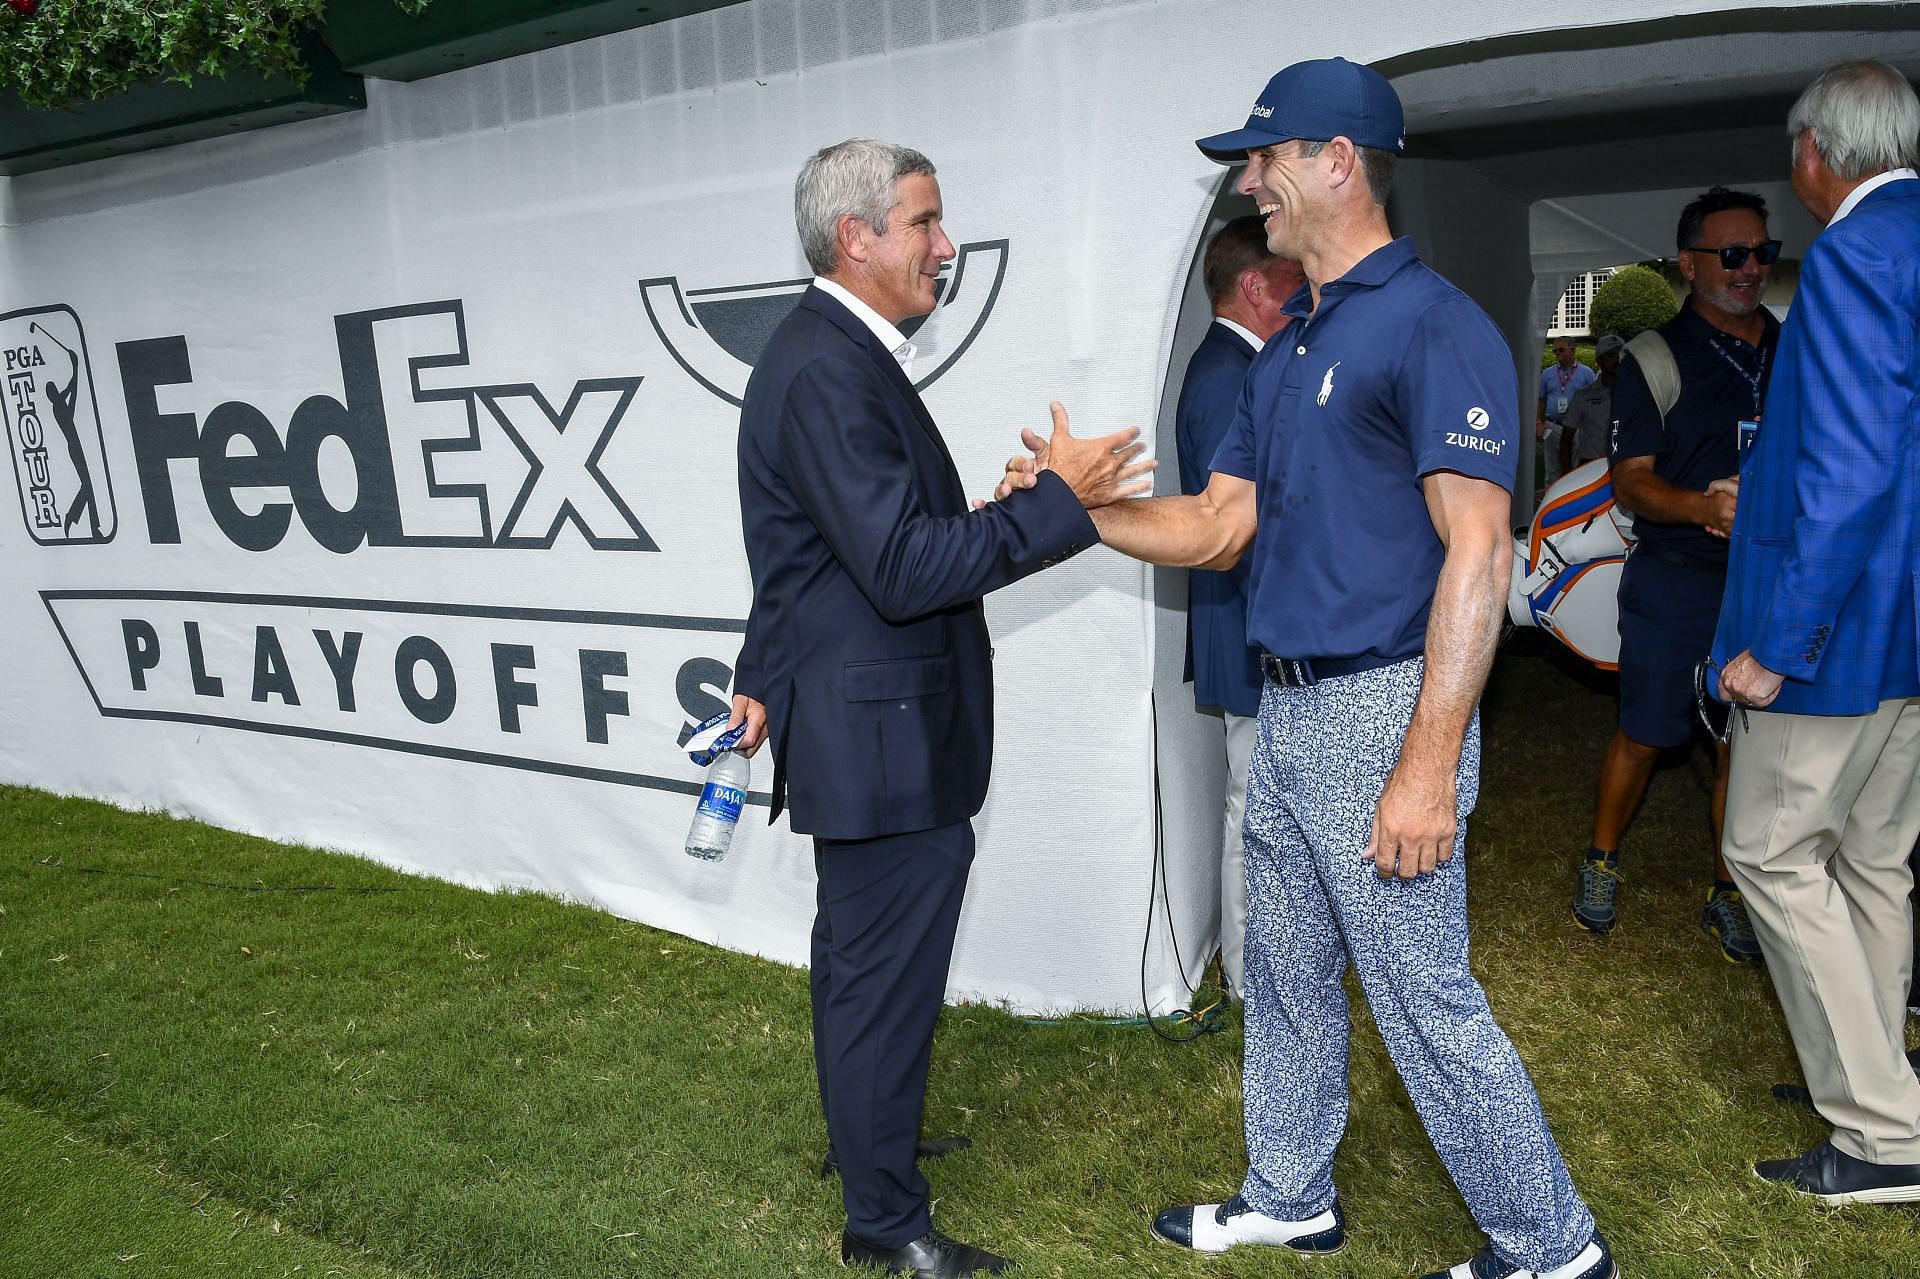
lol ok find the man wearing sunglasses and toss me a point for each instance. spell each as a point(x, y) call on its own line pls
point(1676, 469)
point(1819, 638)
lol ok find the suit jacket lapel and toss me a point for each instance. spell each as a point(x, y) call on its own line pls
point(1221, 333)
point(890, 367)
point(849, 323)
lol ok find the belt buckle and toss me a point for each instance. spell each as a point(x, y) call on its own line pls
point(1289, 672)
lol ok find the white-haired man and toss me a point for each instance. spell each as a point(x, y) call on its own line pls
point(1820, 627)
point(867, 641)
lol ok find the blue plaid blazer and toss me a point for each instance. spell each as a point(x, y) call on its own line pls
point(1821, 576)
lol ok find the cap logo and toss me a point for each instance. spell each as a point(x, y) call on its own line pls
point(1265, 113)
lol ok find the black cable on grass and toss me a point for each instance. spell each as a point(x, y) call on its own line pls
point(1201, 1021)
point(50, 864)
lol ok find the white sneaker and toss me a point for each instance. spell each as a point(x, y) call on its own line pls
point(1595, 1261)
point(1218, 1227)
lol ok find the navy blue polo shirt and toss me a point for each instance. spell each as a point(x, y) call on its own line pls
point(1722, 380)
point(1397, 375)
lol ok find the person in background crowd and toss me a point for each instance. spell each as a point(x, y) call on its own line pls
point(1587, 431)
point(1674, 469)
point(1559, 382)
point(1247, 286)
point(1818, 638)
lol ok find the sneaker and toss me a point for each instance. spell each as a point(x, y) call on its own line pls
point(1595, 1261)
point(1838, 1178)
point(1218, 1227)
point(1725, 917)
point(1593, 896)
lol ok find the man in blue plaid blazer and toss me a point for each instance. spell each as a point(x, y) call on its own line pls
point(1819, 626)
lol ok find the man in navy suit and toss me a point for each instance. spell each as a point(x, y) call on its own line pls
point(1821, 626)
point(866, 659)
point(1247, 286)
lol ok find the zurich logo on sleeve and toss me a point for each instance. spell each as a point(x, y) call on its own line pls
point(1479, 420)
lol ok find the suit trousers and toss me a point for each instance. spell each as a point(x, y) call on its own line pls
point(1242, 732)
point(882, 941)
point(1822, 814)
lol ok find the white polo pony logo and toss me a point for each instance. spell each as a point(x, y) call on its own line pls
point(1326, 384)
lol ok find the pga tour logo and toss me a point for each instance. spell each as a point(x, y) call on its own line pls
point(53, 427)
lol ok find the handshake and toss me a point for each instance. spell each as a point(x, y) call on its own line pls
point(1099, 470)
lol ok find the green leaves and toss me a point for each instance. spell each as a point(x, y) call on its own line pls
point(1633, 299)
point(74, 51)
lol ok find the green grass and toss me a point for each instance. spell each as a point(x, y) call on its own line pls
point(71, 1210)
point(416, 1079)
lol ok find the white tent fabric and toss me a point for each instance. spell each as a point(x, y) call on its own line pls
point(453, 375)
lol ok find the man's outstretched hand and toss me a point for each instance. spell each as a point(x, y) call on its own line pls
point(1099, 470)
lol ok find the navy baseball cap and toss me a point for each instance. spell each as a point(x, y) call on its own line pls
point(1320, 100)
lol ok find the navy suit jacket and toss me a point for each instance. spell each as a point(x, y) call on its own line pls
point(1821, 570)
point(1224, 670)
point(867, 642)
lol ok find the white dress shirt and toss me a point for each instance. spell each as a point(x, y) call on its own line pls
point(891, 338)
point(1866, 189)
point(1243, 331)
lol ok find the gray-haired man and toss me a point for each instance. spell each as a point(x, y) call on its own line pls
point(866, 661)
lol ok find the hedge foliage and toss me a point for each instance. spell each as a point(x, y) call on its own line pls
point(71, 51)
point(1633, 299)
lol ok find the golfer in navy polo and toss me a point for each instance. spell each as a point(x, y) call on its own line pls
point(1374, 450)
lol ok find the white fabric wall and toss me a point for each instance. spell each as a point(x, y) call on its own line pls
point(535, 194)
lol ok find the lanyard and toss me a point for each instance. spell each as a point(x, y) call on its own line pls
point(1753, 378)
point(720, 745)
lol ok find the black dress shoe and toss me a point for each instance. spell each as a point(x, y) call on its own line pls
point(1794, 1095)
point(1837, 1177)
point(938, 1148)
point(931, 1256)
point(1797, 1094)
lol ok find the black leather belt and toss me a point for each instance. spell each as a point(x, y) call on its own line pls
point(1685, 559)
point(1305, 672)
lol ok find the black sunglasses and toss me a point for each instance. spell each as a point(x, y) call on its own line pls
point(1734, 256)
point(1716, 716)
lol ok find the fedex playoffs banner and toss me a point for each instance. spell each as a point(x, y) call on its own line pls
point(375, 489)
point(375, 482)
point(375, 466)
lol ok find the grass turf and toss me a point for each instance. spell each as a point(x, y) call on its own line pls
point(422, 1080)
point(72, 1210)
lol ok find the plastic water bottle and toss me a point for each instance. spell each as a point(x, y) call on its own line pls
point(718, 811)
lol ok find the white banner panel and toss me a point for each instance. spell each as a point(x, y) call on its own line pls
point(375, 474)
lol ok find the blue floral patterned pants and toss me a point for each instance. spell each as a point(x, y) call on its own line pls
point(1315, 904)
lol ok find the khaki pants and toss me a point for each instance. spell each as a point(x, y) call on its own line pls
point(1822, 813)
point(1242, 732)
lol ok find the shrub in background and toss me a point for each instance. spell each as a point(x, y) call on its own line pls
point(1634, 299)
point(56, 53)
